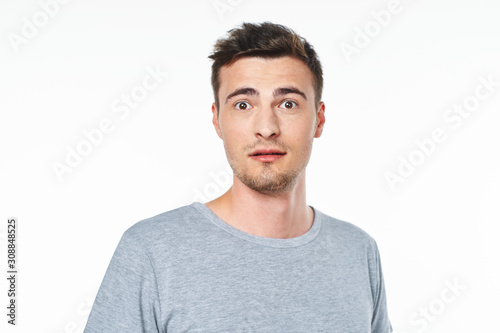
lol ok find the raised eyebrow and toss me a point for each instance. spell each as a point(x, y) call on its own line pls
point(288, 90)
point(242, 91)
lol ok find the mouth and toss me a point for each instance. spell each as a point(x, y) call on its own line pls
point(267, 155)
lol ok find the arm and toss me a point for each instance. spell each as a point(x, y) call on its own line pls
point(127, 300)
point(380, 318)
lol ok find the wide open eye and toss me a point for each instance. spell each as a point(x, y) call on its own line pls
point(288, 104)
point(243, 106)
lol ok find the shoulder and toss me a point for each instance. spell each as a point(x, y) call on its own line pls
point(165, 228)
point(352, 242)
point(345, 232)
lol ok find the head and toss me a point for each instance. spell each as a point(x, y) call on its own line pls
point(267, 83)
point(266, 40)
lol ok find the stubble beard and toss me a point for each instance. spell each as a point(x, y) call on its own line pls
point(268, 181)
point(264, 179)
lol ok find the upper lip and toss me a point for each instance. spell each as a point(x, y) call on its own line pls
point(266, 152)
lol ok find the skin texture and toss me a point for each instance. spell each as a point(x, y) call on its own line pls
point(275, 110)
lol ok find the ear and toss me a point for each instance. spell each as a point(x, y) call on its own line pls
point(215, 120)
point(320, 120)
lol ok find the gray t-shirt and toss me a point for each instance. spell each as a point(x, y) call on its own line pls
point(186, 270)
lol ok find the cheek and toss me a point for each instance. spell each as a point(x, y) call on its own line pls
point(304, 141)
point(234, 128)
point(233, 138)
point(301, 130)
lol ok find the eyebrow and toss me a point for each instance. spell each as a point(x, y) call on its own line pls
point(288, 90)
point(276, 93)
point(242, 91)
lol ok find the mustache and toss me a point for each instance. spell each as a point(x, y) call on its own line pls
point(268, 144)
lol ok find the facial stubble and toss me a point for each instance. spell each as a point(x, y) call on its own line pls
point(264, 178)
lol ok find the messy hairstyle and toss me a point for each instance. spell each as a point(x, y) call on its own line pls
point(265, 40)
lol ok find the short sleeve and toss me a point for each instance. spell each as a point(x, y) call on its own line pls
point(127, 300)
point(380, 318)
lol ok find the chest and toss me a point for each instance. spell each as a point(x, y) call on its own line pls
point(238, 293)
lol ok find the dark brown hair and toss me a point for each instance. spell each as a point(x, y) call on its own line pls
point(265, 40)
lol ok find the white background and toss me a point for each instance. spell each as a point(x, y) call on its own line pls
point(435, 228)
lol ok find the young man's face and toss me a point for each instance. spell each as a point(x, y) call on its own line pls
point(268, 104)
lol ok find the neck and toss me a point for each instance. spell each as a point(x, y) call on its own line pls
point(279, 216)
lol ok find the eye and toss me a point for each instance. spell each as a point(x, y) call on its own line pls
point(288, 104)
point(243, 106)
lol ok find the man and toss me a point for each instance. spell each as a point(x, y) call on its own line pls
point(258, 258)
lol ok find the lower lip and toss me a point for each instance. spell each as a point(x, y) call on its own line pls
point(266, 158)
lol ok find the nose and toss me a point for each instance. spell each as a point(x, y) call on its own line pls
point(266, 123)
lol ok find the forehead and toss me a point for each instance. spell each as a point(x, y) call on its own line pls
point(266, 73)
